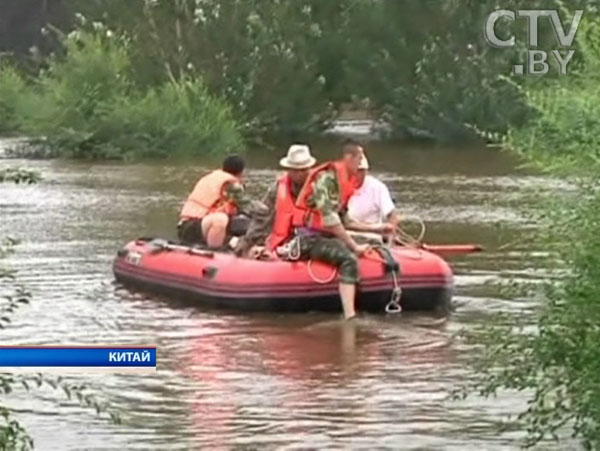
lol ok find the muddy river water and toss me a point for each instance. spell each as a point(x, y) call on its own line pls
point(266, 381)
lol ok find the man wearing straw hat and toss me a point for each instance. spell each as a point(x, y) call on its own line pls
point(309, 217)
point(274, 227)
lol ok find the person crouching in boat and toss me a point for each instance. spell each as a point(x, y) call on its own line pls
point(371, 208)
point(275, 226)
point(215, 199)
point(320, 233)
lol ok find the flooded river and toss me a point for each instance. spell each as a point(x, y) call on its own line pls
point(266, 381)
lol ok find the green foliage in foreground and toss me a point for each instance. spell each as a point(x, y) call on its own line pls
point(18, 175)
point(84, 105)
point(559, 359)
point(13, 435)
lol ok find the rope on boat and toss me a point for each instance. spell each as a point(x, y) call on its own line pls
point(391, 265)
point(407, 240)
point(294, 252)
point(394, 305)
point(404, 239)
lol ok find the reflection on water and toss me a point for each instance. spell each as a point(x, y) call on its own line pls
point(298, 381)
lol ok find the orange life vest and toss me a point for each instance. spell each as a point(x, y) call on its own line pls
point(209, 196)
point(306, 216)
point(284, 213)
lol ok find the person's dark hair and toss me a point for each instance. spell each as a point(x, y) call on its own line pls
point(234, 164)
point(351, 146)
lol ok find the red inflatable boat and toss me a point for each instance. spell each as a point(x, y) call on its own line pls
point(223, 280)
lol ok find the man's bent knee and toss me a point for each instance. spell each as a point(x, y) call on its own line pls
point(219, 220)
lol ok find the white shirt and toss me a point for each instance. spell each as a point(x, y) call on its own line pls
point(371, 203)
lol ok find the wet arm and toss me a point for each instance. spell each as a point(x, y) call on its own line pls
point(245, 204)
point(261, 224)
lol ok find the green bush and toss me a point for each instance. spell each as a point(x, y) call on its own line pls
point(75, 94)
point(559, 360)
point(258, 56)
point(176, 119)
point(288, 67)
point(84, 105)
point(12, 91)
point(451, 98)
point(564, 137)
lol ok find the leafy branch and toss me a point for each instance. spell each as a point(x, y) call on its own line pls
point(13, 436)
point(19, 175)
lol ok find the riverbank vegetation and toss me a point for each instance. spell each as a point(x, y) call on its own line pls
point(153, 78)
point(14, 296)
point(86, 105)
point(559, 361)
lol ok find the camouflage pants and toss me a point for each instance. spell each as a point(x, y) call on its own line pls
point(332, 251)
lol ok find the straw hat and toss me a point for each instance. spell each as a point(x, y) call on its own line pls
point(298, 157)
point(364, 163)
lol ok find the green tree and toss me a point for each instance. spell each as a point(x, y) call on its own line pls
point(559, 361)
point(85, 104)
point(288, 67)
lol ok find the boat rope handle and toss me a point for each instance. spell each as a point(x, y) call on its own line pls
point(295, 250)
point(294, 254)
point(394, 305)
